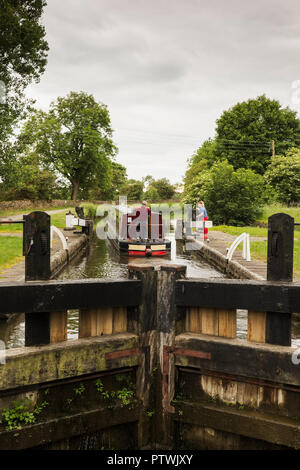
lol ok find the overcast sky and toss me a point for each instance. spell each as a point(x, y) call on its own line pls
point(168, 68)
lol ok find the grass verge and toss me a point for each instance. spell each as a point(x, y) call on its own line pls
point(10, 251)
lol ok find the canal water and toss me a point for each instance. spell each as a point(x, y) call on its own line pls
point(100, 260)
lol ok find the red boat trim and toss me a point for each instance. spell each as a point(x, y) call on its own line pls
point(144, 253)
point(137, 253)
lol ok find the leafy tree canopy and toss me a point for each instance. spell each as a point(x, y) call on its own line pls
point(164, 188)
point(23, 58)
point(117, 178)
point(74, 138)
point(133, 189)
point(27, 179)
point(231, 197)
point(245, 132)
point(283, 174)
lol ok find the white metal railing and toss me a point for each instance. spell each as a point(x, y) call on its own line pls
point(245, 238)
point(61, 236)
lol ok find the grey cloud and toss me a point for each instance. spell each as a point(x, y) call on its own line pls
point(168, 68)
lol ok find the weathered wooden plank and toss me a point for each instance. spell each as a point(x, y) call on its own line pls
point(193, 320)
point(241, 358)
point(119, 319)
point(227, 323)
point(26, 367)
point(232, 294)
point(256, 326)
point(67, 427)
point(49, 296)
point(87, 322)
point(209, 321)
point(105, 321)
point(282, 431)
point(218, 322)
point(58, 326)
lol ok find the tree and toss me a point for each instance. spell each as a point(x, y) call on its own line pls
point(74, 138)
point(117, 179)
point(245, 133)
point(23, 58)
point(133, 189)
point(153, 195)
point(193, 171)
point(201, 160)
point(283, 174)
point(164, 188)
point(205, 152)
point(231, 197)
point(27, 179)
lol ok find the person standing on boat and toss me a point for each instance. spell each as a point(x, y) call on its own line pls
point(143, 219)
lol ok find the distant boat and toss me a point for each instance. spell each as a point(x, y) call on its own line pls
point(138, 231)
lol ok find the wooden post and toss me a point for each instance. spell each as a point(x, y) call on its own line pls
point(166, 328)
point(143, 322)
point(36, 246)
point(273, 327)
point(47, 327)
point(36, 249)
point(280, 268)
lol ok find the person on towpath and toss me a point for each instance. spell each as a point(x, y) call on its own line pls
point(201, 215)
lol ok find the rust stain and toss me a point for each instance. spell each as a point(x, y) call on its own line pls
point(124, 353)
point(165, 382)
point(191, 353)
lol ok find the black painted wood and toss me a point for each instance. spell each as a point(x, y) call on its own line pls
point(36, 246)
point(280, 297)
point(282, 431)
point(240, 358)
point(37, 329)
point(38, 297)
point(280, 268)
point(146, 316)
point(36, 249)
point(280, 247)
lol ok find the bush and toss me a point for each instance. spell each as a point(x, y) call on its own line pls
point(231, 197)
point(90, 210)
point(133, 190)
point(164, 188)
point(283, 174)
point(152, 194)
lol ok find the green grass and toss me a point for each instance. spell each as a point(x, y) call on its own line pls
point(59, 220)
point(10, 251)
point(276, 208)
point(11, 228)
point(11, 212)
point(253, 231)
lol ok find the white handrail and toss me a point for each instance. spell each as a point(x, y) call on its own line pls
point(245, 238)
point(61, 236)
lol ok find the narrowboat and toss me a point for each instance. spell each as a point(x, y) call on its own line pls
point(138, 231)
